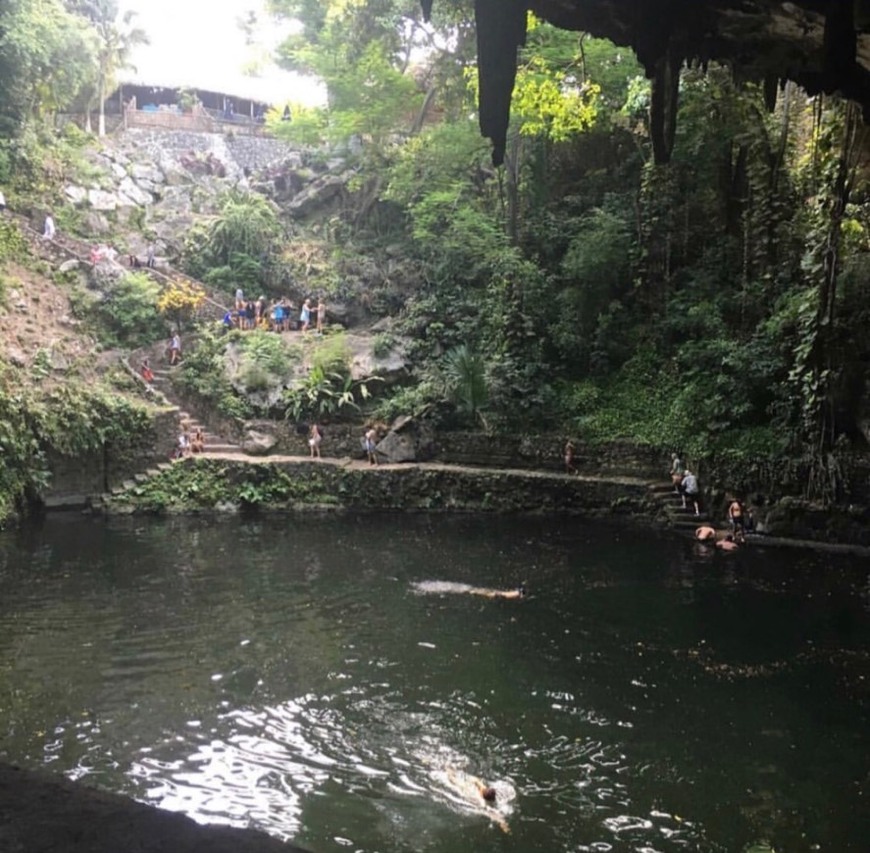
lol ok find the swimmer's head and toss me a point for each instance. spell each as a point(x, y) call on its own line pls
point(488, 793)
point(522, 590)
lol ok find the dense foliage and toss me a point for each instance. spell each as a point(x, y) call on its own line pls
point(716, 304)
point(713, 304)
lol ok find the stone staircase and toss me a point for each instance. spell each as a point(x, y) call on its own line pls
point(65, 247)
point(136, 480)
point(213, 443)
point(663, 495)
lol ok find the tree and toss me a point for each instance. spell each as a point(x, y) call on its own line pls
point(46, 58)
point(116, 38)
point(381, 65)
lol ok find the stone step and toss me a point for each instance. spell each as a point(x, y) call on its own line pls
point(152, 472)
point(164, 466)
point(660, 486)
point(223, 448)
point(128, 484)
point(140, 478)
point(689, 521)
point(678, 511)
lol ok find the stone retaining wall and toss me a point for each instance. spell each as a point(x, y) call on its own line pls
point(251, 152)
point(545, 453)
point(204, 483)
point(74, 479)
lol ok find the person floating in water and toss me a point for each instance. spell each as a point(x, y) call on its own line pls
point(444, 587)
point(478, 793)
point(707, 535)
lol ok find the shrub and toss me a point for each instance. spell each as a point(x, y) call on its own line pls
point(129, 313)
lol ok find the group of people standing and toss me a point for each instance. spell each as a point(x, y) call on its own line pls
point(277, 316)
point(740, 519)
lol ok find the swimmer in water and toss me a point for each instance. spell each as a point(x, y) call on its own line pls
point(519, 592)
point(470, 788)
point(442, 587)
point(707, 535)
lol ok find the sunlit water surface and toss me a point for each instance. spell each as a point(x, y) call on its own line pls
point(293, 675)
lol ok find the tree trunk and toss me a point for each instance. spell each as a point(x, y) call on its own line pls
point(512, 160)
point(102, 125)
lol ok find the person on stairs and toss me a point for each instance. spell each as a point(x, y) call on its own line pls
point(49, 230)
point(678, 469)
point(175, 349)
point(690, 491)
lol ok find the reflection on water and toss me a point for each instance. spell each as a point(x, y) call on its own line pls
point(288, 674)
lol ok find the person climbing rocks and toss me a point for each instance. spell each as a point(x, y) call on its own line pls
point(48, 229)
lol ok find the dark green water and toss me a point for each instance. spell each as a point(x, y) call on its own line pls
point(282, 673)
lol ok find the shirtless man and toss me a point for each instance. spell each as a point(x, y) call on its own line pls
point(735, 518)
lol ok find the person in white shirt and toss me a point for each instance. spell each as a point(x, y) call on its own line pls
point(49, 230)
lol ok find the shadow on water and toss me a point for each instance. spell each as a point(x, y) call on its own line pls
point(286, 673)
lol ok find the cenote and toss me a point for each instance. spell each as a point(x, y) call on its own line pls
point(283, 673)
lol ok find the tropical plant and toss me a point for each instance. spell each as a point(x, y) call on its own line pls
point(235, 245)
point(465, 374)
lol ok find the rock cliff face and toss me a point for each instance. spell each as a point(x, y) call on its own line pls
point(823, 45)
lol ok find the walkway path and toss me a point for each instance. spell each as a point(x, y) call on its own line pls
point(64, 247)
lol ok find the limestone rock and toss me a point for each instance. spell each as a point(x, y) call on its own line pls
point(68, 266)
point(102, 200)
point(141, 172)
point(95, 223)
point(16, 356)
point(397, 448)
point(58, 361)
point(77, 195)
point(131, 194)
point(259, 438)
point(391, 367)
point(409, 440)
point(320, 195)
